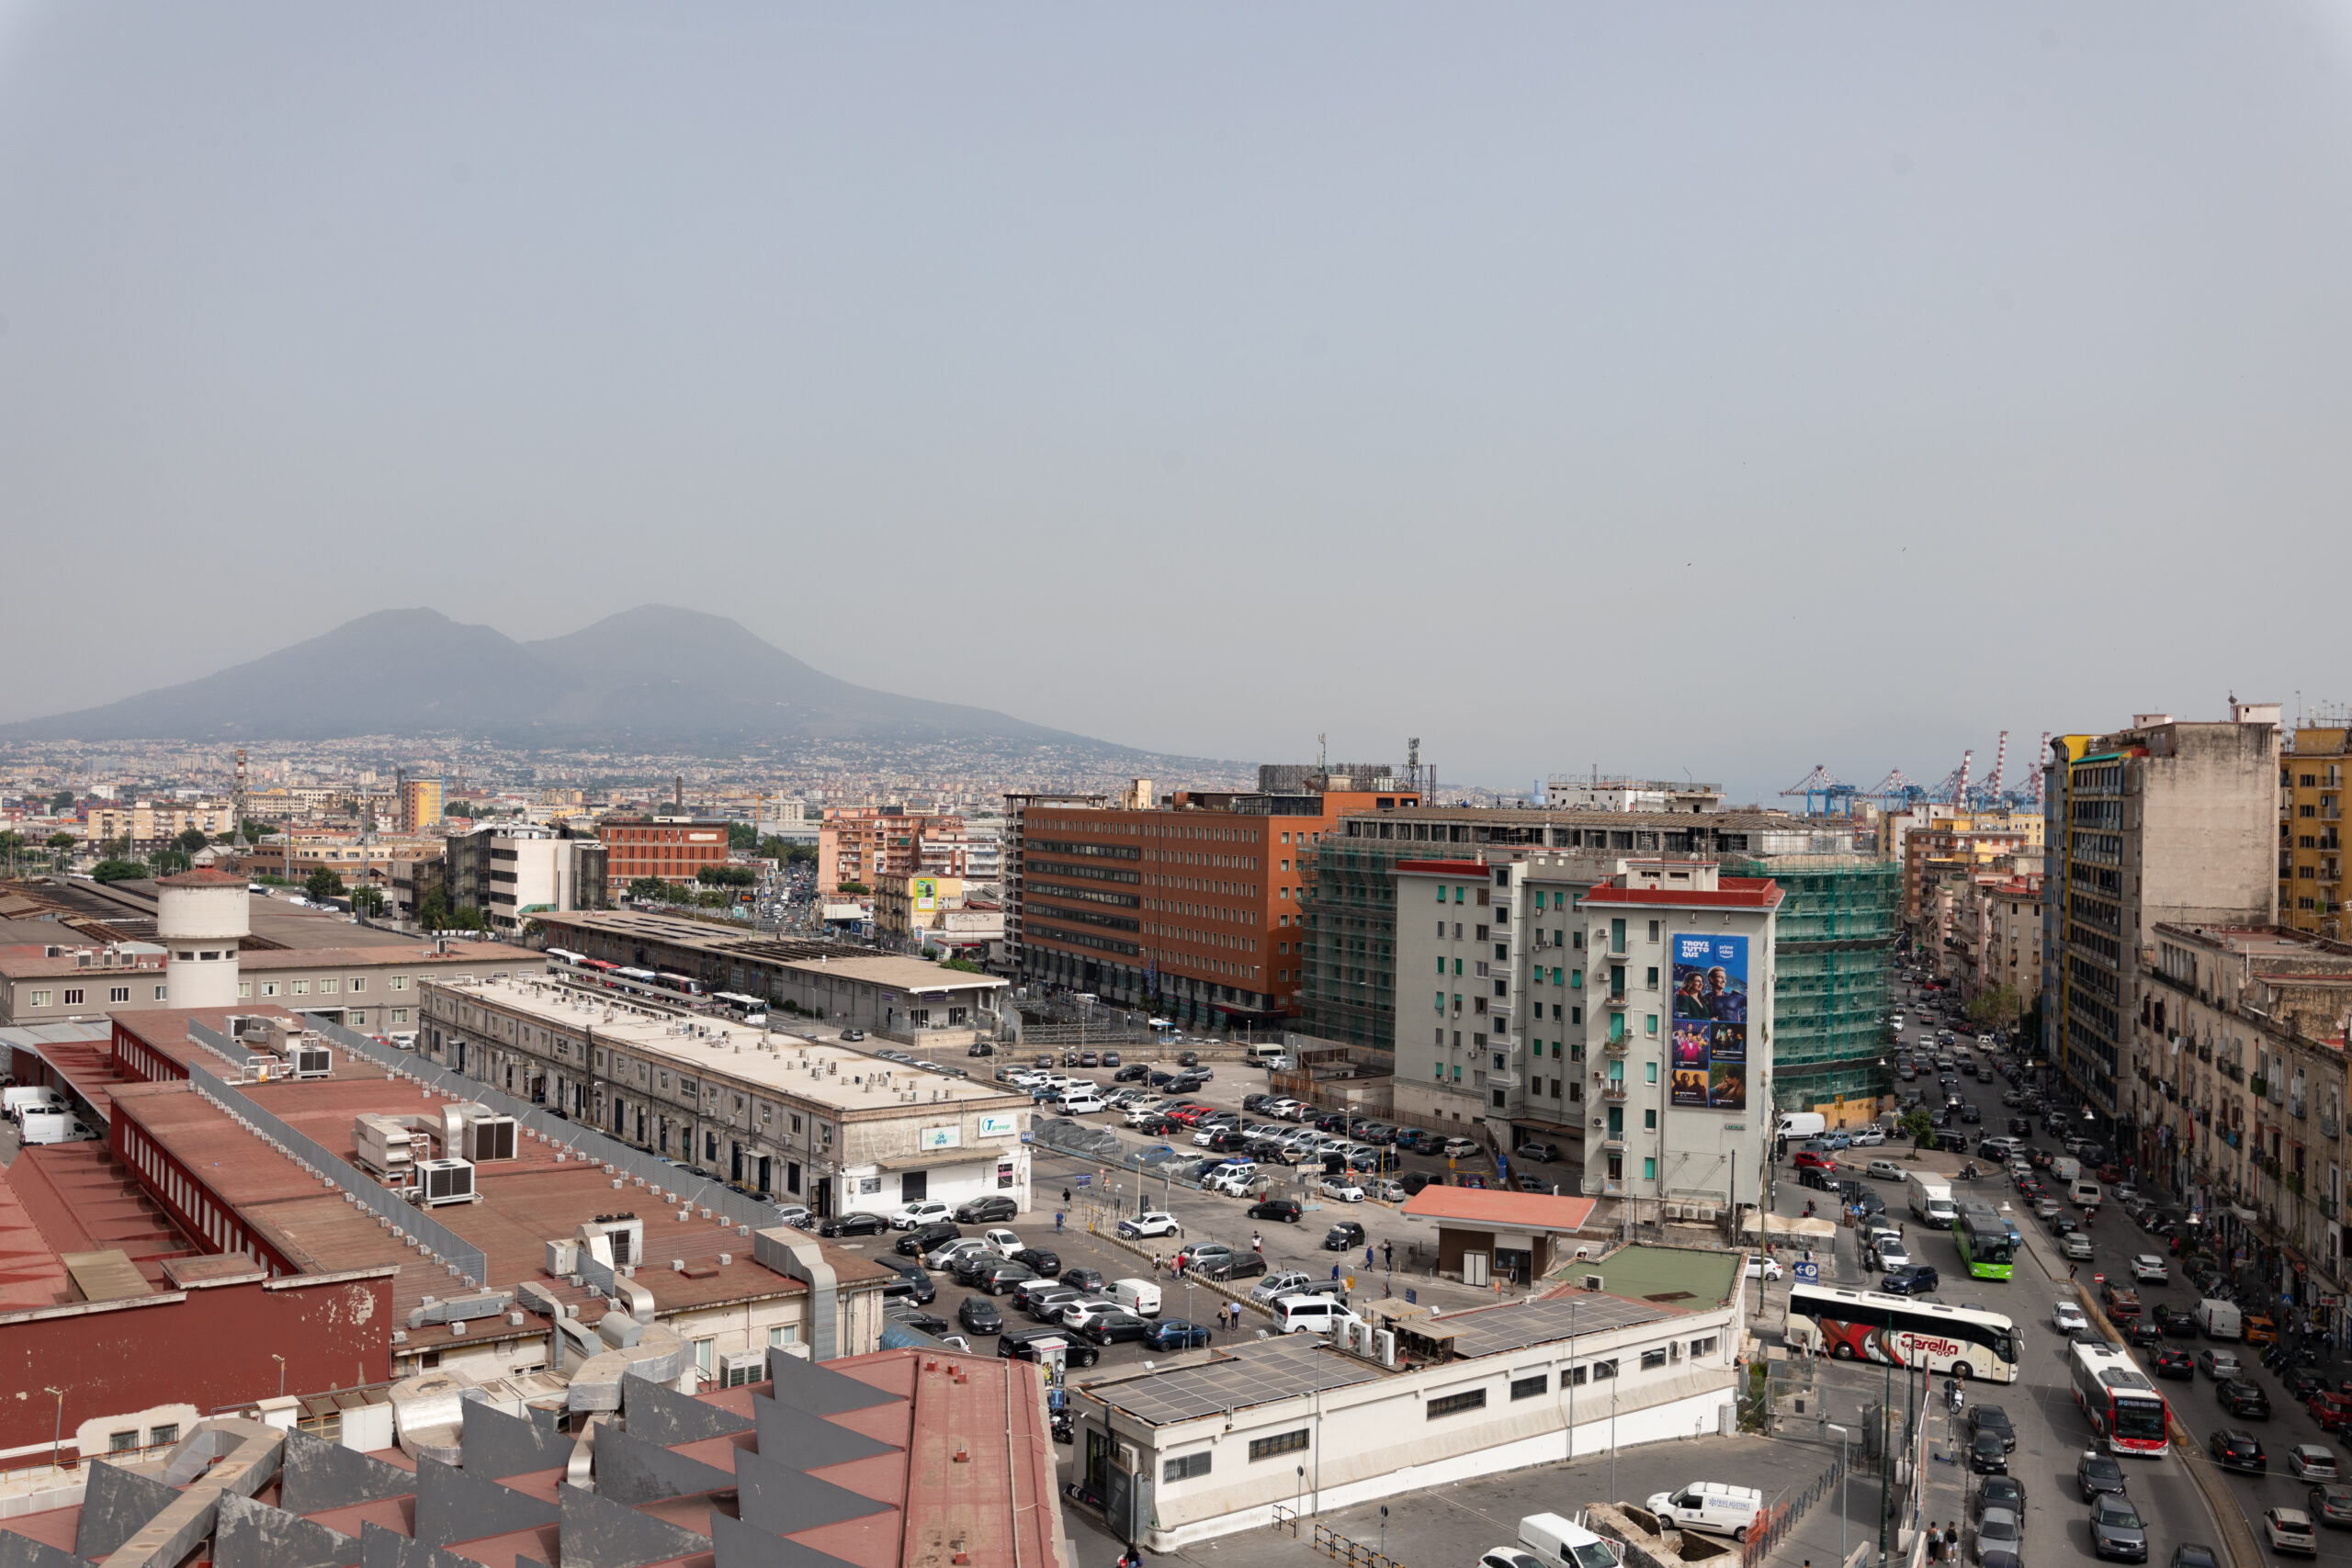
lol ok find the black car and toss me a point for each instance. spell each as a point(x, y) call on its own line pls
point(860, 1224)
point(1987, 1455)
point(1233, 1266)
point(2244, 1399)
point(2097, 1473)
point(2021, 1126)
point(2301, 1382)
point(2144, 1334)
point(2235, 1449)
point(1189, 1059)
point(2004, 1491)
point(966, 1266)
point(1001, 1276)
point(1969, 1113)
point(1229, 1140)
point(1911, 1279)
point(1177, 1334)
point(1020, 1345)
point(2177, 1322)
point(1341, 1236)
point(2116, 1529)
point(921, 1320)
point(914, 1284)
point(1044, 1261)
point(979, 1315)
point(1088, 1280)
point(925, 1239)
point(981, 1211)
point(1993, 1419)
point(1116, 1328)
point(2176, 1364)
point(1136, 1074)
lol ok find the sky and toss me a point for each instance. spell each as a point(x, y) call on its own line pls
point(1676, 388)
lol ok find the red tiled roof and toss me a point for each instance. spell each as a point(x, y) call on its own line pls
point(1508, 1210)
point(30, 1272)
point(1731, 892)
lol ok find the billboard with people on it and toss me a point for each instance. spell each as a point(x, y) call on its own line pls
point(1710, 1023)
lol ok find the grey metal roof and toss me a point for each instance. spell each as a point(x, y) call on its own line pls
point(1255, 1373)
point(1489, 1331)
point(33, 1035)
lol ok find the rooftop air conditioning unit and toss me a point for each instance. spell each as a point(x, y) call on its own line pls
point(737, 1368)
point(313, 1060)
point(442, 1181)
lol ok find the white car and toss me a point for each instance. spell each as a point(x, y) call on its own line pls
point(1004, 1244)
point(1892, 1254)
point(920, 1213)
point(940, 1258)
point(1762, 1268)
point(1340, 1186)
point(1152, 1223)
point(1391, 1192)
point(2076, 1245)
point(2149, 1270)
point(2066, 1318)
point(1459, 1148)
point(1869, 1137)
point(2123, 1192)
point(2311, 1462)
point(1139, 1114)
point(1080, 1313)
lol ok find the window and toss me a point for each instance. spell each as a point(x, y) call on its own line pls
point(1653, 931)
point(163, 1435)
point(399, 982)
point(1650, 1072)
point(244, 989)
point(1649, 1120)
point(302, 988)
point(1185, 1466)
point(400, 1015)
point(119, 993)
point(41, 999)
point(1531, 1387)
point(122, 1442)
point(1455, 1404)
point(1702, 1347)
point(1649, 1170)
point(74, 998)
point(1603, 1369)
point(1575, 1377)
point(1652, 1359)
point(785, 1334)
point(1651, 979)
point(1650, 1025)
point(358, 983)
point(329, 987)
point(160, 992)
point(1287, 1443)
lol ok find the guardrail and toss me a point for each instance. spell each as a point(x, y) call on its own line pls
point(1782, 1517)
point(436, 1240)
point(581, 1140)
point(1355, 1553)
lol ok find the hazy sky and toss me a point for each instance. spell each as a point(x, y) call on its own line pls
point(1707, 387)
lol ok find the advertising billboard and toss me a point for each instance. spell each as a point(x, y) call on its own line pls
point(1710, 1023)
point(926, 894)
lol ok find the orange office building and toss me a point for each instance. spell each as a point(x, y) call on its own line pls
point(667, 848)
point(1189, 903)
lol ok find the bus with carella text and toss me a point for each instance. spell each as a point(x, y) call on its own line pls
point(1867, 1326)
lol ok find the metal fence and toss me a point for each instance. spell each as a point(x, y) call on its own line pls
point(432, 1237)
point(1782, 1517)
point(584, 1142)
point(1355, 1553)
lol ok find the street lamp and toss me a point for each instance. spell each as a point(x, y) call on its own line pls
point(1844, 1486)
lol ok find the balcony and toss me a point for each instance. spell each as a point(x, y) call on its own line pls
point(1613, 1142)
point(2258, 1083)
point(1615, 1047)
point(2327, 1124)
point(1613, 1091)
point(1615, 1003)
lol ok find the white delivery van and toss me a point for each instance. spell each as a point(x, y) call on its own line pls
point(1310, 1314)
point(1079, 1100)
point(2086, 1194)
point(1711, 1506)
point(17, 1100)
point(2220, 1319)
point(1140, 1297)
point(1265, 1057)
point(1931, 1198)
point(53, 1127)
point(1563, 1543)
point(1802, 1125)
point(2065, 1169)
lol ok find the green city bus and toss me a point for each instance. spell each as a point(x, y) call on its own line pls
point(1984, 1246)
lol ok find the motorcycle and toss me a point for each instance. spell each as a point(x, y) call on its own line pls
point(1954, 1400)
point(1064, 1428)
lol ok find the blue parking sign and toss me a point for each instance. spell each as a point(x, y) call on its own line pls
point(1412, 1296)
point(1084, 1177)
point(1807, 1273)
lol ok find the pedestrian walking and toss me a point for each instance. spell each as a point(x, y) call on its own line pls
point(1335, 1272)
point(1367, 1258)
point(1065, 1197)
point(1934, 1541)
point(1388, 1255)
point(1058, 1222)
point(1256, 1244)
point(1951, 1543)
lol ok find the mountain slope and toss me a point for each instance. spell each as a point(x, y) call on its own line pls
point(656, 676)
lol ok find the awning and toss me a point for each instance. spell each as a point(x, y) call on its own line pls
point(939, 1157)
point(1782, 1225)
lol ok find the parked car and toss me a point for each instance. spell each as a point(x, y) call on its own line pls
point(1986, 1455)
point(1544, 1154)
point(1177, 1334)
point(980, 1211)
point(860, 1224)
point(1993, 1419)
point(925, 1238)
point(1115, 1328)
point(1152, 1223)
point(978, 1316)
point(1342, 1236)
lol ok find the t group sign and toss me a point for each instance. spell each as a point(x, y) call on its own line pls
point(1710, 1023)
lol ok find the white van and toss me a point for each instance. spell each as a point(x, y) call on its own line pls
point(2065, 1168)
point(1563, 1543)
point(1310, 1314)
point(1079, 1100)
point(1268, 1057)
point(2220, 1319)
point(1140, 1297)
point(1804, 1124)
point(2086, 1194)
point(15, 1101)
point(53, 1127)
point(1711, 1506)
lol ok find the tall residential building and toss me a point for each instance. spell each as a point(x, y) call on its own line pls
point(420, 805)
point(2311, 830)
point(2167, 822)
point(1837, 927)
point(1191, 903)
point(512, 871)
point(1631, 1015)
point(861, 844)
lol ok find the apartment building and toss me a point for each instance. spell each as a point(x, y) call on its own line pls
point(814, 1123)
point(1836, 926)
point(420, 805)
point(150, 823)
point(1191, 903)
point(1625, 1006)
point(2311, 830)
point(671, 847)
point(2165, 822)
point(858, 844)
point(2236, 1091)
point(372, 990)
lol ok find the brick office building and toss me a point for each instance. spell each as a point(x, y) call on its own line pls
point(671, 847)
point(1189, 902)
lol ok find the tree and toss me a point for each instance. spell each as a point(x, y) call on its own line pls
point(457, 809)
point(433, 915)
point(776, 848)
point(468, 919)
point(1919, 1128)
point(60, 801)
point(116, 870)
point(255, 833)
point(647, 887)
point(854, 889)
point(367, 901)
point(727, 875)
point(1999, 1007)
point(191, 840)
point(63, 840)
point(742, 836)
point(323, 885)
point(965, 965)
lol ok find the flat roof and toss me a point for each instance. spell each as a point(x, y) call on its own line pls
point(1729, 892)
point(1699, 1277)
point(1499, 1210)
point(847, 1080)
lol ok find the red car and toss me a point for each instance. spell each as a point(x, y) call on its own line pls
point(2110, 1174)
point(1187, 1114)
point(2332, 1411)
point(1810, 1161)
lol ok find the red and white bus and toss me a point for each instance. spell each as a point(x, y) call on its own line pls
point(2124, 1409)
point(1868, 1325)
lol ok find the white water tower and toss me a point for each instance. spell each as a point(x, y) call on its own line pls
point(200, 916)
